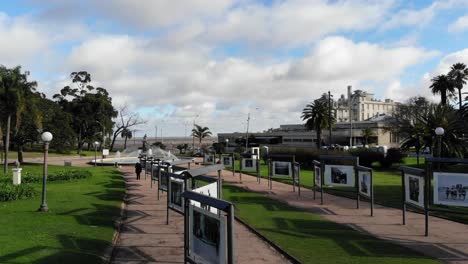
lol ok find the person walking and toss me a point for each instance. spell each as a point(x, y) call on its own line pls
point(138, 169)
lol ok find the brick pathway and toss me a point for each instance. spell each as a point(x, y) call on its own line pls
point(145, 237)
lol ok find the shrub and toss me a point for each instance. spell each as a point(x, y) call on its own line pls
point(367, 156)
point(65, 175)
point(394, 155)
point(10, 192)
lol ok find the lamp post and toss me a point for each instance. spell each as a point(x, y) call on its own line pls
point(227, 143)
point(96, 144)
point(46, 138)
point(440, 132)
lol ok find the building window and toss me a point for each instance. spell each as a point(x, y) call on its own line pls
point(287, 140)
point(297, 140)
point(307, 140)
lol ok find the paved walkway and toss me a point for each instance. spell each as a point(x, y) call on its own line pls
point(447, 241)
point(145, 237)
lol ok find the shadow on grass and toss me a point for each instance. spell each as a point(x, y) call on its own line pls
point(72, 250)
point(298, 231)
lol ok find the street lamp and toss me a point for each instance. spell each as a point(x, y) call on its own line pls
point(46, 138)
point(227, 143)
point(329, 118)
point(440, 132)
point(96, 144)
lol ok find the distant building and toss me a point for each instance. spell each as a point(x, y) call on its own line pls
point(363, 106)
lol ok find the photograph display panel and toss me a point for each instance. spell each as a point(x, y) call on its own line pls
point(175, 198)
point(209, 158)
point(414, 190)
point(450, 188)
point(317, 176)
point(364, 183)
point(249, 164)
point(339, 175)
point(163, 179)
point(207, 236)
point(297, 173)
point(227, 161)
point(208, 190)
point(282, 168)
point(255, 151)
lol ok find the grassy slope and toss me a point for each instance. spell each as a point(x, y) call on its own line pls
point(78, 227)
point(311, 238)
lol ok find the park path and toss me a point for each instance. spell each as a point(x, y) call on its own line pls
point(447, 240)
point(145, 237)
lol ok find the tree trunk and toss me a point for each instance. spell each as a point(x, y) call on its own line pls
point(443, 97)
point(460, 98)
point(20, 153)
point(125, 143)
point(116, 134)
point(7, 144)
point(319, 139)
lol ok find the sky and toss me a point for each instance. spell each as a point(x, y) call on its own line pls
point(179, 62)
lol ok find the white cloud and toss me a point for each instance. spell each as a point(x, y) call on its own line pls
point(338, 58)
point(461, 24)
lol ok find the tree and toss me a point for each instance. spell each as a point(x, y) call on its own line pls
point(366, 134)
point(92, 111)
point(14, 91)
point(124, 121)
point(444, 86)
point(316, 116)
point(459, 75)
point(126, 133)
point(201, 133)
point(181, 148)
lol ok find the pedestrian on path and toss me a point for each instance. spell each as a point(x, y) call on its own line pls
point(138, 170)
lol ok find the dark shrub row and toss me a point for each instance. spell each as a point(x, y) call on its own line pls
point(10, 192)
point(65, 175)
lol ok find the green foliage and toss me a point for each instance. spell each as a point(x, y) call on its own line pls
point(63, 175)
point(367, 156)
point(316, 115)
point(159, 145)
point(393, 156)
point(201, 133)
point(10, 192)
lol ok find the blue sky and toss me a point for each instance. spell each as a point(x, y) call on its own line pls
point(213, 62)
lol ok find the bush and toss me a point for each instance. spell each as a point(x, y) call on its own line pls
point(367, 156)
point(65, 175)
point(394, 155)
point(10, 192)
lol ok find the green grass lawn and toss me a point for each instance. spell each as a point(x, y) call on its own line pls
point(311, 238)
point(78, 227)
point(13, 155)
point(387, 186)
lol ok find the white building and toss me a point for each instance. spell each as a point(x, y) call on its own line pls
point(363, 106)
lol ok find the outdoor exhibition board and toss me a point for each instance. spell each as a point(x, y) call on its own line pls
point(209, 158)
point(255, 152)
point(339, 171)
point(249, 164)
point(449, 187)
point(284, 166)
point(181, 181)
point(208, 237)
point(317, 183)
point(228, 160)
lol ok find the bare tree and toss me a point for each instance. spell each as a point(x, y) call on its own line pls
point(124, 122)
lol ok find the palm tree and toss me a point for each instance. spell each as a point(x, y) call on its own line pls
point(316, 116)
point(366, 134)
point(459, 75)
point(14, 90)
point(442, 84)
point(126, 133)
point(200, 133)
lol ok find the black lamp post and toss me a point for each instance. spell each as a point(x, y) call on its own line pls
point(96, 144)
point(46, 138)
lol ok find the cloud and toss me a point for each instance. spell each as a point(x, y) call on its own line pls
point(338, 58)
point(461, 24)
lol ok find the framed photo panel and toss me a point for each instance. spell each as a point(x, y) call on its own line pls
point(208, 158)
point(208, 190)
point(163, 180)
point(450, 188)
point(175, 199)
point(255, 151)
point(414, 190)
point(207, 235)
point(282, 168)
point(317, 176)
point(249, 164)
point(339, 175)
point(227, 160)
point(364, 183)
